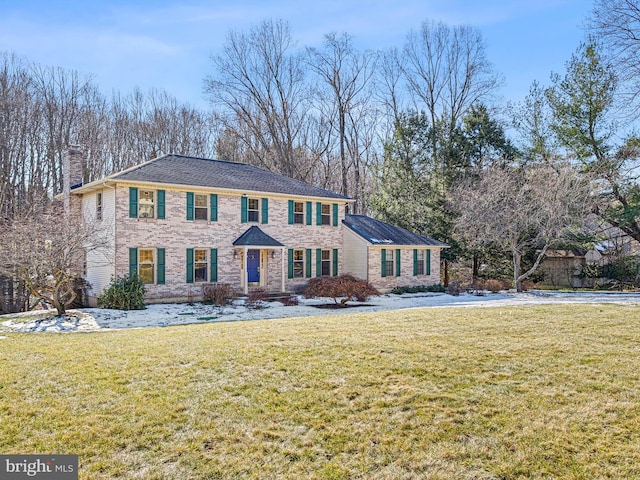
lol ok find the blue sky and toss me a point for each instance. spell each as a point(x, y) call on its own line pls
point(166, 44)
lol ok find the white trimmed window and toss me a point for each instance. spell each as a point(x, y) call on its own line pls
point(99, 206)
point(326, 214)
point(146, 265)
point(298, 213)
point(201, 207)
point(298, 264)
point(420, 262)
point(200, 264)
point(253, 209)
point(146, 203)
point(326, 262)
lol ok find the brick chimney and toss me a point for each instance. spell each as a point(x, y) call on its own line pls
point(72, 163)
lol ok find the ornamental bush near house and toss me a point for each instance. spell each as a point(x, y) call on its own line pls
point(344, 287)
point(123, 293)
point(217, 293)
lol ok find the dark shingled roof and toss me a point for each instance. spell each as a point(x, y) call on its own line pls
point(256, 237)
point(203, 172)
point(382, 233)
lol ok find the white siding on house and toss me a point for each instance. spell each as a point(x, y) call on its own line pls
point(355, 254)
point(100, 263)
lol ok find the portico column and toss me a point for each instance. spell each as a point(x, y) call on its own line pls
point(245, 278)
point(282, 253)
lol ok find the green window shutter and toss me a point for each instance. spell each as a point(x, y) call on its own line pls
point(189, 205)
point(318, 213)
point(290, 261)
point(383, 258)
point(133, 202)
point(309, 213)
point(335, 214)
point(290, 213)
point(415, 262)
point(244, 206)
point(307, 254)
point(161, 204)
point(335, 262)
point(398, 262)
point(318, 262)
point(265, 210)
point(133, 262)
point(428, 269)
point(160, 253)
point(213, 207)
point(214, 265)
point(189, 265)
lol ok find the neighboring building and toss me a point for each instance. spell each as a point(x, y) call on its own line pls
point(566, 268)
point(180, 222)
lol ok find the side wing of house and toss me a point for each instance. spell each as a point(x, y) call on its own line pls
point(388, 256)
point(98, 207)
point(403, 266)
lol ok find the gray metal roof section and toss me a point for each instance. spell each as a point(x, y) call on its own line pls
point(204, 172)
point(254, 237)
point(382, 233)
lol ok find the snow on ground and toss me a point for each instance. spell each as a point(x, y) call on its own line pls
point(162, 315)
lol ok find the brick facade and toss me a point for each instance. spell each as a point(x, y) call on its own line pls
point(175, 234)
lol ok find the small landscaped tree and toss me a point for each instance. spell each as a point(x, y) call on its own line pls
point(44, 250)
point(342, 289)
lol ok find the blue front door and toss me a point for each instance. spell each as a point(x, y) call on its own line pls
point(253, 266)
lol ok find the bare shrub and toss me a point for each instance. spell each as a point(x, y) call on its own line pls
point(217, 293)
point(454, 288)
point(495, 285)
point(344, 287)
point(290, 301)
point(257, 298)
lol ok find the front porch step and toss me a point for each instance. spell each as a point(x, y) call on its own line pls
point(274, 296)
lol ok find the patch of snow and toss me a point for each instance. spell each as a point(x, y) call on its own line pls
point(162, 315)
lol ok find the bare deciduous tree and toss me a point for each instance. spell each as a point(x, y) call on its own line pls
point(345, 76)
point(44, 251)
point(520, 210)
point(447, 71)
point(617, 24)
point(259, 87)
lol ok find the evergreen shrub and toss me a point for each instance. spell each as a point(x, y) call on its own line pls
point(123, 293)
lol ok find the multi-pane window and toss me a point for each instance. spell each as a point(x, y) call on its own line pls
point(146, 265)
point(200, 207)
point(298, 263)
point(253, 210)
point(146, 203)
point(389, 263)
point(326, 262)
point(420, 262)
point(326, 214)
point(99, 206)
point(200, 265)
point(298, 213)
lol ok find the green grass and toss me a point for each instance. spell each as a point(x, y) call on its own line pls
point(505, 393)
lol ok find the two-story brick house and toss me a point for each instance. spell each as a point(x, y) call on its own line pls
point(179, 222)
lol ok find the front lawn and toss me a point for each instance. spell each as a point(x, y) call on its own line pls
point(504, 392)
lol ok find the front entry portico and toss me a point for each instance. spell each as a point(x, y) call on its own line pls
point(258, 259)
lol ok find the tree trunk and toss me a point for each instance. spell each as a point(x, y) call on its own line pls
point(517, 259)
point(446, 273)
